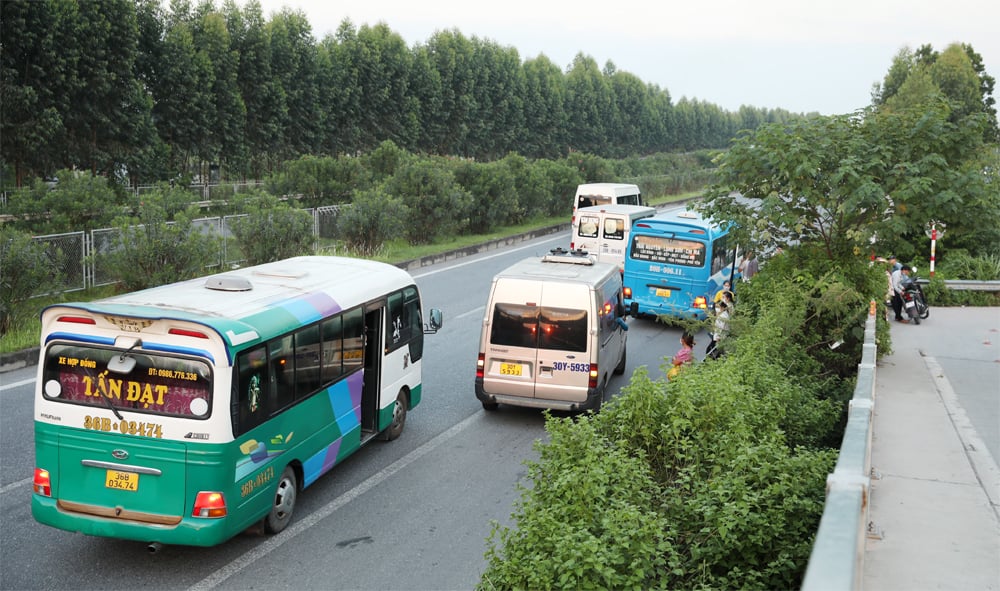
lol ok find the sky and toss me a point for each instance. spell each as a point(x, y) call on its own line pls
point(803, 56)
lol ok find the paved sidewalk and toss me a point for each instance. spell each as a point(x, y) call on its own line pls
point(935, 510)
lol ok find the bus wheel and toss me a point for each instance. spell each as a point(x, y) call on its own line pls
point(284, 502)
point(395, 428)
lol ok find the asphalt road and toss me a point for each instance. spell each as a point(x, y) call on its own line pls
point(410, 514)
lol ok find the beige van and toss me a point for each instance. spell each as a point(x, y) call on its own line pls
point(604, 230)
point(591, 194)
point(553, 333)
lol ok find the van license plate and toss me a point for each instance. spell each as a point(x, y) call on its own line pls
point(662, 293)
point(510, 369)
point(122, 480)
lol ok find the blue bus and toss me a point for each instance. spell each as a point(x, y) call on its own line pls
point(675, 263)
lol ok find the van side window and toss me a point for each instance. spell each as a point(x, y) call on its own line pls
point(614, 229)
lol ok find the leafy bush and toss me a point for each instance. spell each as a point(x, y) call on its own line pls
point(152, 251)
point(272, 230)
point(77, 201)
point(436, 205)
point(26, 269)
point(374, 218)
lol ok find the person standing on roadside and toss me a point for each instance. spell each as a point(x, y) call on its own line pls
point(899, 278)
point(750, 266)
point(719, 330)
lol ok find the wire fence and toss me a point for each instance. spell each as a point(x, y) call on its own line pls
point(81, 260)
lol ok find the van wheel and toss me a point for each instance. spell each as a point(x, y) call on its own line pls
point(491, 406)
point(620, 368)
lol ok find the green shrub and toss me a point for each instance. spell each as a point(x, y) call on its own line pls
point(26, 269)
point(272, 230)
point(151, 250)
point(374, 218)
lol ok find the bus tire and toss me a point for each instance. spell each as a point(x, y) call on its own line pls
point(395, 428)
point(284, 502)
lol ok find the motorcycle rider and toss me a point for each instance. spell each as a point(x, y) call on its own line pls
point(900, 280)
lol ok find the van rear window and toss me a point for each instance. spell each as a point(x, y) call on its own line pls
point(539, 327)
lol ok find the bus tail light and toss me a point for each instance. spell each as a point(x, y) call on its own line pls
point(209, 504)
point(627, 292)
point(701, 302)
point(183, 332)
point(592, 384)
point(76, 319)
point(481, 365)
point(42, 484)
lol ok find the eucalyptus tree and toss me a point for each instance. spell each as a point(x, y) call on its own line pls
point(545, 121)
point(589, 106)
point(294, 64)
point(496, 117)
point(447, 129)
point(224, 137)
point(263, 98)
point(36, 78)
point(633, 117)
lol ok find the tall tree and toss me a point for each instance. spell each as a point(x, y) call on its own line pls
point(588, 103)
point(544, 109)
point(294, 63)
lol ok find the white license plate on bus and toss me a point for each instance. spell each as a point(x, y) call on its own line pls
point(510, 369)
point(662, 293)
point(122, 480)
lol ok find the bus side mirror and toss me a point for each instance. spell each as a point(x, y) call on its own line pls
point(437, 321)
point(620, 310)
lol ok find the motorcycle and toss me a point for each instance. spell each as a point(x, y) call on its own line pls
point(914, 302)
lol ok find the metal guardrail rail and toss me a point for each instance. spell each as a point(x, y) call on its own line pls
point(837, 559)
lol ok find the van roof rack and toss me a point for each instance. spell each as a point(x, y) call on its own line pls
point(576, 256)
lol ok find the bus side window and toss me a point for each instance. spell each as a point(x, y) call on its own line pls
point(394, 325)
point(251, 385)
point(281, 353)
point(307, 361)
point(354, 340)
point(332, 350)
point(413, 327)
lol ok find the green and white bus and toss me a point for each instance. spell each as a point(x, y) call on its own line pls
point(188, 413)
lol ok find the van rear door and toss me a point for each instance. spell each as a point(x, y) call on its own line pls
point(564, 342)
point(510, 347)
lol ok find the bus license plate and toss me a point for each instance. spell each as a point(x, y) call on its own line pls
point(662, 293)
point(510, 369)
point(122, 480)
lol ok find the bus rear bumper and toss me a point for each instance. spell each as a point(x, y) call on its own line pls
point(189, 531)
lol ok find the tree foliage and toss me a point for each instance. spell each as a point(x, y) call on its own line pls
point(26, 269)
point(143, 91)
point(271, 230)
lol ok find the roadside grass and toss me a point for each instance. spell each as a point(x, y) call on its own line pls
point(26, 325)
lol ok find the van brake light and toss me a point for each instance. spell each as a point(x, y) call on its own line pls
point(481, 365)
point(209, 504)
point(42, 484)
point(593, 376)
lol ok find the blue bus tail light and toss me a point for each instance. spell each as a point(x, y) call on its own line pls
point(701, 302)
point(209, 504)
point(627, 292)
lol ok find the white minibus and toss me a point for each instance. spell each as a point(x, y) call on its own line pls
point(553, 333)
point(590, 194)
point(604, 230)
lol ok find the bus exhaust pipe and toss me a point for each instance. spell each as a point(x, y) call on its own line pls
point(154, 547)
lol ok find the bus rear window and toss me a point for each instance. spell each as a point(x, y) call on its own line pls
point(671, 251)
point(158, 384)
point(560, 329)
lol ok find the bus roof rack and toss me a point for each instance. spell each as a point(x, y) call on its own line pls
point(575, 257)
